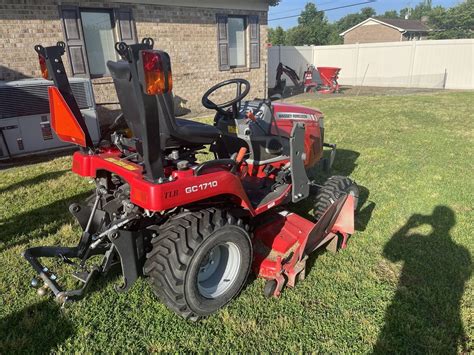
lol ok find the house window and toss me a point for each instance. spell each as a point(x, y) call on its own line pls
point(90, 36)
point(238, 41)
point(99, 40)
point(414, 36)
point(237, 48)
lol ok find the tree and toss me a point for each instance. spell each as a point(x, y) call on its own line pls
point(313, 28)
point(420, 10)
point(277, 36)
point(273, 2)
point(367, 12)
point(455, 22)
point(297, 36)
point(390, 14)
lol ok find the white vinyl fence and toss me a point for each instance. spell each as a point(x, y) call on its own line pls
point(417, 64)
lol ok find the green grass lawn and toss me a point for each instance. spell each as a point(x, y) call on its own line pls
point(402, 285)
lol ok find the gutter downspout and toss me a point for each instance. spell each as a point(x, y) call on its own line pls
point(401, 35)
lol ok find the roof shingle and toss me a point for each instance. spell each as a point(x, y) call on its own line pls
point(407, 25)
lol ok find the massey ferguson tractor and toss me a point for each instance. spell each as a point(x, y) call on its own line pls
point(194, 229)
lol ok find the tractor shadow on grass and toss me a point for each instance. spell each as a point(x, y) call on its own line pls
point(37, 329)
point(25, 227)
point(33, 181)
point(425, 312)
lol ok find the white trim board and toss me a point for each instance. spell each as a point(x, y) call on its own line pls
point(374, 20)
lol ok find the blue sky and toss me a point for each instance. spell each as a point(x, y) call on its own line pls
point(293, 7)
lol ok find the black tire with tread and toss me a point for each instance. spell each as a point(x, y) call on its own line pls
point(270, 287)
point(177, 243)
point(332, 189)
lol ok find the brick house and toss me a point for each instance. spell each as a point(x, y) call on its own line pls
point(377, 29)
point(209, 41)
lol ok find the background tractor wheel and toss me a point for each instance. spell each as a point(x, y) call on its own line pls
point(332, 189)
point(199, 261)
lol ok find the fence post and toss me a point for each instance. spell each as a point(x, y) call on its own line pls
point(363, 79)
point(356, 75)
point(313, 57)
point(412, 64)
point(445, 77)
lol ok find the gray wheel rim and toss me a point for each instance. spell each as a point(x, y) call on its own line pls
point(219, 269)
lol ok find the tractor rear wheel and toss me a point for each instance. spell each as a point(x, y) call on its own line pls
point(199, 261)
point(332, 189)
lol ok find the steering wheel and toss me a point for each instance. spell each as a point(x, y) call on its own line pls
point(235, 102)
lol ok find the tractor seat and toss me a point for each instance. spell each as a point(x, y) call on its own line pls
point(199, 133)
point(173, 131)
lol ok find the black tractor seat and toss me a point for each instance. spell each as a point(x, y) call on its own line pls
point(172, 131)
point(202, 133)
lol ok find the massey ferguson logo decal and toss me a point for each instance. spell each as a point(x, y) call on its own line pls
point(291, 115)
point(200, 187)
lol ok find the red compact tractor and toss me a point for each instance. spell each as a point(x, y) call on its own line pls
point(194, 229)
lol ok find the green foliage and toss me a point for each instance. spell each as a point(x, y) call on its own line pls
point(455, 22)
point(277, 36)
point(274, 2)
point(297, 36)
point(420, 10)
point(390, 14)
point(313, 28)
point(367, 12)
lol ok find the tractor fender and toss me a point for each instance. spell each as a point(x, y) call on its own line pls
point(167, 194)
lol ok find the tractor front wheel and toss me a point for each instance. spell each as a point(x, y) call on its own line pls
point(199, 261)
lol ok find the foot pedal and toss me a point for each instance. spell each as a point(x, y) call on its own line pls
point(81, 276)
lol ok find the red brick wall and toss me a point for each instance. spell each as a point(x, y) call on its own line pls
point(372, 34)
point(188, 34)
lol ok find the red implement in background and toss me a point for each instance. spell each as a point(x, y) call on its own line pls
point(323, 80)
point(329, 76)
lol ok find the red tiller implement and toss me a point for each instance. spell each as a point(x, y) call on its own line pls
point(194, 229)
